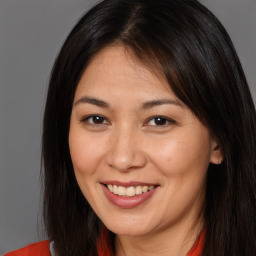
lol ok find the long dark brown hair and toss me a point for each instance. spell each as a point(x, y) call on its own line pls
point(183, 41)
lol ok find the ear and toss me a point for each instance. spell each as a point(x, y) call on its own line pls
point(216, 153)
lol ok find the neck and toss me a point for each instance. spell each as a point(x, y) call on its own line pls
point(176, 241)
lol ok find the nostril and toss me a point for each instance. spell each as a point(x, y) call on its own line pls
point(126, 161)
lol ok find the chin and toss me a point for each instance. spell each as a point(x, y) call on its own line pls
point(128, 229)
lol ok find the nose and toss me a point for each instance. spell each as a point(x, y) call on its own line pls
point(126, 151)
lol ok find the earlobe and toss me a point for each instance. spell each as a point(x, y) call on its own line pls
point(216, 153)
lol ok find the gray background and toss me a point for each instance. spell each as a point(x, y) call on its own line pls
point(31, 34)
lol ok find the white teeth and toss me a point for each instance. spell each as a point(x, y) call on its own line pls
point(129, 191)
point(145, 189)
point(121, 191)
point(150, 188)
point(138, 190)
point(110, 187)
point(115, 189)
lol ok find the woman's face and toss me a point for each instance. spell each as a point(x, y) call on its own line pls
point(140, 156)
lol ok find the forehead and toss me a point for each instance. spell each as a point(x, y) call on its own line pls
point(115, 69)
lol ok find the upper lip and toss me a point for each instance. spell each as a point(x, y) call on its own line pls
point(128, 184)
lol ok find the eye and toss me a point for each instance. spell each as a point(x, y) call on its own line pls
point(94, 120)
point(159, 121)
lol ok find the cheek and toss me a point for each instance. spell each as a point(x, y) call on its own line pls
point(179, 155)
point(85, 152)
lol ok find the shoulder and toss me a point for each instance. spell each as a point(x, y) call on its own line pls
point(40, 249)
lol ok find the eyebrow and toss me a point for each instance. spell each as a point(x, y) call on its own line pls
point(154, 103)
point(145, 105)
point(93, 101)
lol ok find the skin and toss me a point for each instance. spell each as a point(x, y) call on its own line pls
point(128, 144)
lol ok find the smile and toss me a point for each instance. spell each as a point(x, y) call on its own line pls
point(128, 195)
point(129, 191)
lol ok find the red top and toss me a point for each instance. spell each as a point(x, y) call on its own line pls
point(37, 249)
point(43, 249)
point(196, 250)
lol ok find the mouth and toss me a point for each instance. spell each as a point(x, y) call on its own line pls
point(128, 195)
point(130, 191)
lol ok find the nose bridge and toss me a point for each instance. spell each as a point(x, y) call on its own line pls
point(125, 149)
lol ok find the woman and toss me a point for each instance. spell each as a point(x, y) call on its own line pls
point(149, 136)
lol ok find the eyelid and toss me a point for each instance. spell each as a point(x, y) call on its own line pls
point(86, 118)
point(168, 119)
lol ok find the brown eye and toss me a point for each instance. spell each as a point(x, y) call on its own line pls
point(95, 120)
point(160, 121)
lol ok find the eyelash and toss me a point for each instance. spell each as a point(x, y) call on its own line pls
point(86, 119)
point(166, 121)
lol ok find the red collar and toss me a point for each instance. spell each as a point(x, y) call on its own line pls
point(196, 250)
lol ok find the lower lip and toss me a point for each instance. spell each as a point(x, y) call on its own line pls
point(127, 202)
